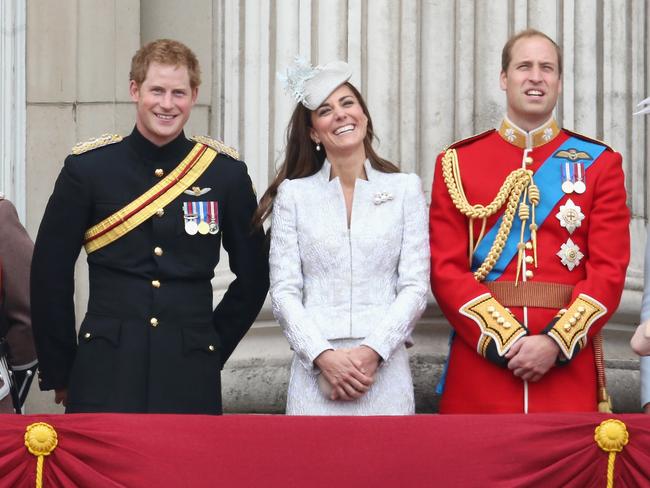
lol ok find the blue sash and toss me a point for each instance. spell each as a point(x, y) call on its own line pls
point(549, 180)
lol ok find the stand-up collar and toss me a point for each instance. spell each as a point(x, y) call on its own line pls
point(543, 134)
point(326, 171)
point(175, 150)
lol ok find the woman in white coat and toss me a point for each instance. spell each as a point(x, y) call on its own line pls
point(349, 254)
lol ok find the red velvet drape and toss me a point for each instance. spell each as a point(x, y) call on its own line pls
point(112, 450)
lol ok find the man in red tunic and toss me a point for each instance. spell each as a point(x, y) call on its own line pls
point(529, 248)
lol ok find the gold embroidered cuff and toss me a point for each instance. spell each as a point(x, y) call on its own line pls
point(495, 322)
point(572, 327)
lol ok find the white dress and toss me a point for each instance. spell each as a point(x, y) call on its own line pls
point(336, 287)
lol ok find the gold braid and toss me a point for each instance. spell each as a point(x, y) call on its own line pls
point(511, 190)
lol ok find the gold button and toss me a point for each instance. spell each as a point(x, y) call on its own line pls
point(528, 160)
point(529, 274)
point(582, 309)
point(154, 322)
point(490, 309)
point(159, 173)
point(577, 315)
point(158, 251)
point(160, 212)
point(567, 327)
point(87, 335)
point(529, 246)
point(572, 321)
point(501, 321)
point(562, 311)
point(211, 347)
point(529, 259)
point(496, 315)
point(507, 325)
point(155, 284)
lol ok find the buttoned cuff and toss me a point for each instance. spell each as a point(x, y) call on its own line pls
point(499, 328)
point(569, 327)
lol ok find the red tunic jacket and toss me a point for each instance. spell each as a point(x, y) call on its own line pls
point(477, 379)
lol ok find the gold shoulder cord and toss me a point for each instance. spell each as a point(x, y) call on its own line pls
point(518, 186)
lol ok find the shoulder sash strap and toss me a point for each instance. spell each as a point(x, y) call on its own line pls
point(549, 180)
point(142, 208)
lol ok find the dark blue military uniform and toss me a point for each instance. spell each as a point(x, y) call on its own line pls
point(150, 341)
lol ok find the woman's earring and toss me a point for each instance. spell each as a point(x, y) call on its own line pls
point(317, 146)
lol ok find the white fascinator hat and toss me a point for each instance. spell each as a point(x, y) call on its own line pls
point(645, 109)
point(311, 85)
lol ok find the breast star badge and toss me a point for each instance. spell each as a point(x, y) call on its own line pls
point(570, 254)
point(570, 216)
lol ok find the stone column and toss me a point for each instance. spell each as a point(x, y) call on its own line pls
point(12, 103)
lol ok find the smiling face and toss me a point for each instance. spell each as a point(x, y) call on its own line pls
point(340, 124)
point(164, 101)
point(532, 82)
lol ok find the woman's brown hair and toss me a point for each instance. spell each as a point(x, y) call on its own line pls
point(301, 158)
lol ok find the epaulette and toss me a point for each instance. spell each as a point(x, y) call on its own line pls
point(588, 139)
point(217, 146)
point(101, 141)
point(469, 139)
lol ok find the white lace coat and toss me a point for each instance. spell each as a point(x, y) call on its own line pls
point(330, 282)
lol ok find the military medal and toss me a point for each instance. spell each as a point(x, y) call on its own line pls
point(189, 215)
point(203, 226)
point(570, 216)
point(570, 254)
point(567, 178)
point(579, 172)
point(213, 216)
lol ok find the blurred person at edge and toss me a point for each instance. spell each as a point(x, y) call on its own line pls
point(17, 353)
point(349, 255)
point(640, 341)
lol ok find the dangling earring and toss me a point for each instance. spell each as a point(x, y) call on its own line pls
point(318, 146)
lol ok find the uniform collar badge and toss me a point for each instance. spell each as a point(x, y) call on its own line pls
point(197, 191)
point(570, 216)
point(570, 254)
point(537, 137)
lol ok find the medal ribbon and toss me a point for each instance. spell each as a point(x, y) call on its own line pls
point(567, 172)
point(214, 212)
point(548, 179)
point(579, 171)
point(201, 211)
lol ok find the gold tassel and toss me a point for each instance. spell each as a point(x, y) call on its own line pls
point(533, 195)
point(524, 214)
